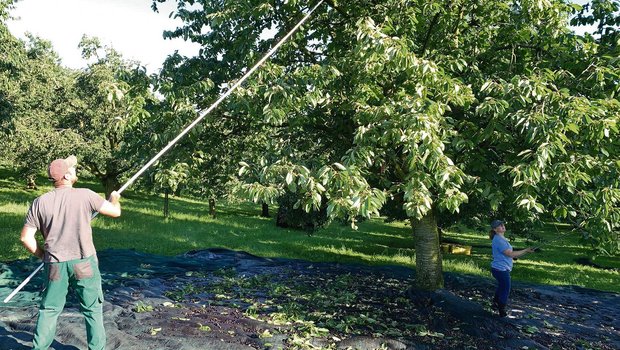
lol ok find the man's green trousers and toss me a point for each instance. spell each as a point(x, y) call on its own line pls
point(83, 276)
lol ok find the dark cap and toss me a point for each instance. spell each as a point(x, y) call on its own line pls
point(496, 223)
point(59, 167)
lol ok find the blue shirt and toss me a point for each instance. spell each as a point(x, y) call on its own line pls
point(500, 260)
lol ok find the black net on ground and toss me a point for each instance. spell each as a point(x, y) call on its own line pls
point(221, 299)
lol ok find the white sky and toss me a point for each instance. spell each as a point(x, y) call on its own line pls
point(129, 26)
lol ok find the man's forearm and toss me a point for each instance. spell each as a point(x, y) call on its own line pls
point(116, 203)
point(30, 242)
point(32, 246)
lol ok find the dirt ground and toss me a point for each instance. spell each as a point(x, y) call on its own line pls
point(221, 299)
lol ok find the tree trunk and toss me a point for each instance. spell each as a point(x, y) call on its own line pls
point(265, 212)
point(212, 207)
point(31, 183)
point(166, 204)
point(110, 183)
point(429, 271)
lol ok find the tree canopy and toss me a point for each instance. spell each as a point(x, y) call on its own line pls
point(49, 111)
point(112, 113)
point(34, 96)
point(485, 109)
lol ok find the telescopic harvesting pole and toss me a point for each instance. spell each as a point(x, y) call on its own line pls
point(191, 126)
point(553, 240)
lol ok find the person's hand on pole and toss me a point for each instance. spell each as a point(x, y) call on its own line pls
point(525, 251)
point(112, 207)
point(114, 197)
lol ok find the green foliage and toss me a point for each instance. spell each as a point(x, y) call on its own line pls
point(142, 307)
point(346, 193)
point(605, 15)
point(5, 7)
point(112, 118)
point(34, 97)
point(459, 109)
point(48, 111)
point(290, 214)
point(170, 179)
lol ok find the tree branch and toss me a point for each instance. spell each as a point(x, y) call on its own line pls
point(429, 32)
point(338, 9)
point(455, 31)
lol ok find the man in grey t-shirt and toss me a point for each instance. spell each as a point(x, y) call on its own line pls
point(63, 216)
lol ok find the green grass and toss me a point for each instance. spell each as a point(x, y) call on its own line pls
point(238, 226)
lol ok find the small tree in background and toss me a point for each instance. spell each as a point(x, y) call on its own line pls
point(112, 116)
point(169, 181)
point(35, 95)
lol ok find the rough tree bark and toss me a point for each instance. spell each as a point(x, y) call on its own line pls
point(265, 210)
point(166, 203)
point(212, 207)
point(110, 183)
point(429, 276)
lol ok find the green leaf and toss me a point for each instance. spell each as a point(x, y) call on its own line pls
point(289, 178)
point(573, 127)
point(204, 328)
point(531, 329)
point(340, 166)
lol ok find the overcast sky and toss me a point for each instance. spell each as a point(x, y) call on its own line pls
point(129, 26)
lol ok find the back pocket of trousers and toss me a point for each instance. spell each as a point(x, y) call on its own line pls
point(53, 273)
point(83, 270)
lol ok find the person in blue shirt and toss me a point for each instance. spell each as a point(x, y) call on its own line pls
point(501, 265)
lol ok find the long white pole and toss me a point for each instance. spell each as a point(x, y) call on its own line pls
point(219, 100)
point(7, 299)
point(191, 126)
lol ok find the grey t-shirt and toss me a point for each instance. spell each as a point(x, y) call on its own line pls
point(63, 216)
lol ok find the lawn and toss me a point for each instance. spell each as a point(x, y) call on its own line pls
point(238, 226)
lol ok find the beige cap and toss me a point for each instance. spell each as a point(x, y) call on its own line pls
point(59, 167)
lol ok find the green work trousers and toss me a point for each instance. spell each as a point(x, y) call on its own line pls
point(83, 276)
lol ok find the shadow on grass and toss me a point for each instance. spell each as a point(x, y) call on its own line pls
point(251, 234)
point(239, 227)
